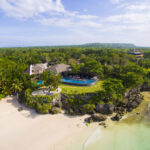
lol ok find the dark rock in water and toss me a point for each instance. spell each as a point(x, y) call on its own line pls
point(117, 117)
point(105, 108)
point(98, 117)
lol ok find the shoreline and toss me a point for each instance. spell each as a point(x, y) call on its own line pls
point(27, 130)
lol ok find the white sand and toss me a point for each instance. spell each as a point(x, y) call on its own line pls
point(27, 130)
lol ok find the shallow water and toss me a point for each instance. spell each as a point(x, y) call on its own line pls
point(132, 133)
point(123, 137)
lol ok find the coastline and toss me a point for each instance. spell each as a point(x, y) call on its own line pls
point(27, 130)
point(134, 127)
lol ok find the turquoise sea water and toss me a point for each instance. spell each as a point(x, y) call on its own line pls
point(123, 137)
point(132, 133)
point(120, 137)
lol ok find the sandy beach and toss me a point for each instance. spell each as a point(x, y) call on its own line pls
point(27, 130)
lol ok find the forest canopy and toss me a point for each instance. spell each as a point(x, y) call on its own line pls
point(119, 70)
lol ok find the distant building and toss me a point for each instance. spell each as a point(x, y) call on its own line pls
point(137, 53)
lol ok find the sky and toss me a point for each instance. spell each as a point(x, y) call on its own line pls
point(67, 22)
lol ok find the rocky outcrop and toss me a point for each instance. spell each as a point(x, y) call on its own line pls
point(105, 108)
point(57, 102)
point(132, 99)
point(117, 117)
point(98, 117)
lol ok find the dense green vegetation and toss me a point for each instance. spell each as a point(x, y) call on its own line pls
point(116, 69)
point(51, 79)
point(42, 104)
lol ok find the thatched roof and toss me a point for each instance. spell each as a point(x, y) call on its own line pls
point(59, 68)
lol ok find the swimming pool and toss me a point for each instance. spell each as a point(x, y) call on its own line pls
point(40, 82)
point(86, 82)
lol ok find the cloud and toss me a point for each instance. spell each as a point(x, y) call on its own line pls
point(87, 17)
point(47, 12)
point(74, 22)
point(134, 17)
point(30, 8)
point(136, 6)
point(115, 1)
point(129, 17)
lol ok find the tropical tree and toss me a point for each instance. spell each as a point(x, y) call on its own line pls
point(113, 89)
point(16, 87)
point(51, 80)
point(131, 79)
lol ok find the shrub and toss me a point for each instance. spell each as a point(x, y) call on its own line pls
point(1, 96)
point(43, 109)
point(55, 110)
point(88, 108)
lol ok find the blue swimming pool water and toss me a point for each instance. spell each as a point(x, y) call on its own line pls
point(78, 82)
point(40, 82)
point(74, 82)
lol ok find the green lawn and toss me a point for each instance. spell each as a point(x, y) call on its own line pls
point(70, 89)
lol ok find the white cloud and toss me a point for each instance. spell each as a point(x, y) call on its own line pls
point(132, 18)
point(30, 8)
point(135, 16)
point(87, 17)
point(136, 6)
point(115, 1)
point(56, 14)
point(70, 22)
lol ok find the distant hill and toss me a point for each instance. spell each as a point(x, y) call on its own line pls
point(97, 45)
point(91, 45)
point(109, 45)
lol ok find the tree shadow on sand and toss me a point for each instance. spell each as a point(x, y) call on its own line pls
point(27, 112)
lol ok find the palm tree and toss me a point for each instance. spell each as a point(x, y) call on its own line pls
point(16, 87)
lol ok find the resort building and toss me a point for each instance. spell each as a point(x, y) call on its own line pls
point(59, 68)
point(37, 69)
point(137, 53)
